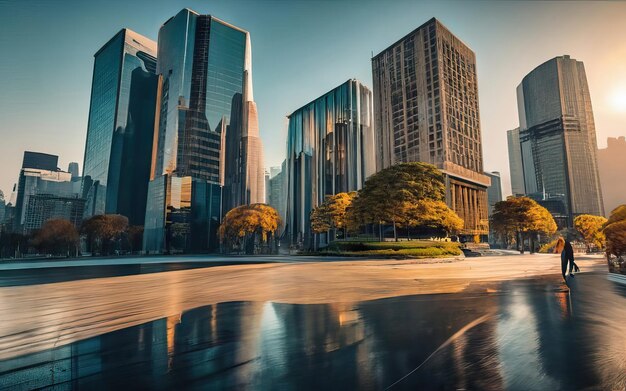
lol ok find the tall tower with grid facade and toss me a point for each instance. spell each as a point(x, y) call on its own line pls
point(426, 110)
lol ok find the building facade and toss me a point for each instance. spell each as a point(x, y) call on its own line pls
point(204, 99)
point(45, 193)
point(558, 137)
point(426, 102)
point(120, 130)
point(44, 207)
point(72, 168)
point(330, 149)
point(611, 164)
point(244, 174)
point(494, 191)
point(515, 162)
point(275, 192)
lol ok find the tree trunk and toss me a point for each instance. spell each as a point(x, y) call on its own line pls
point(395, 233)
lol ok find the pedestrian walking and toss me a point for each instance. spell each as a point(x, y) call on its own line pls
point(564, 247)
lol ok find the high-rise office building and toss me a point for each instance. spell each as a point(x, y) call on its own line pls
point(494, 191)
point(558, 137)
point(72, 168)
point(43, 194)
point(611, 164)
point(120, 130)
point(515, 162)
point(244, 179)
point(205, 98)
point(275, 191)
point(330, 149)
point(426, 102)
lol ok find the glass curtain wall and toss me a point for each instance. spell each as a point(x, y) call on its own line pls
point(329, 150)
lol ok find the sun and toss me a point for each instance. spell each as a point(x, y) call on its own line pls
point(618, 100)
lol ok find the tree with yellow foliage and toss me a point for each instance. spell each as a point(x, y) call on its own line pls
point(388, 195)
point(246, 225)
point(590, 228)
point(615, 231)
point(523, 218)
point(433, 214)
point(331, 214)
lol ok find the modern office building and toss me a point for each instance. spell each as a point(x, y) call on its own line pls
point(43, 194)
point(205, 98)
point(494, 191)
point(244, 179)
point(120, 128)
point(515, 162)
point(275, 191)
point(44, 207)
point(426, 110)
point(38, 160)
point(330, 149)
point(558, 137)
point(612, 166)
point(72, 168)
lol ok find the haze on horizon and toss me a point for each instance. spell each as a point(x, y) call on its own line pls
point(301, 49)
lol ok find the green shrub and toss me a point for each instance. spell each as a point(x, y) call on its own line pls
point(415, 248)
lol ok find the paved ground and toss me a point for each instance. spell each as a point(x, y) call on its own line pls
point(109, 313)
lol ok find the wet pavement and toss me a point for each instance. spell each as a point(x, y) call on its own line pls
point(53, 274)
point(523, 334)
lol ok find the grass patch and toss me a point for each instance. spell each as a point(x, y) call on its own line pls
point(413, 249)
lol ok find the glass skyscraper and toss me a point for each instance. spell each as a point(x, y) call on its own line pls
point(515, 162)
point(426, 110)
point(558, 137)
point(201, 66)
point(120, 130)
point(330, 149)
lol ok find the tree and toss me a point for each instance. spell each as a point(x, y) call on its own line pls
point(57, 237)
point(435, 215)
point(135, 237)
point(244, 225)
point(387, 195)
point(590, 228)
point(103, 230)
point(615, 231)
point(522, 218)
point(332, 213)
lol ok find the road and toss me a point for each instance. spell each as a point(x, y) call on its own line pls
point(489, 323)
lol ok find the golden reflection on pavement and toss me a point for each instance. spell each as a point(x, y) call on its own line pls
point(40, 317)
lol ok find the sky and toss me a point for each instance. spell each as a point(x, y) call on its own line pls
point(300, 50)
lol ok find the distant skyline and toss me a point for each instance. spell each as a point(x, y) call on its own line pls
point(301, 50)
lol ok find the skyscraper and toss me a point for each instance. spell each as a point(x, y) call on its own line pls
point(558, 137)
point(72, 168)
point(204, 102)
point(275, 191)
point(330, 149)
point(494, 191)
point(121, 125)
point(611, 164)
point(244, 179)
point(515, 162)
point(426, 102)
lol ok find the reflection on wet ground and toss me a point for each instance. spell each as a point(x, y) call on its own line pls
point(50, 275)
point(530, 334)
